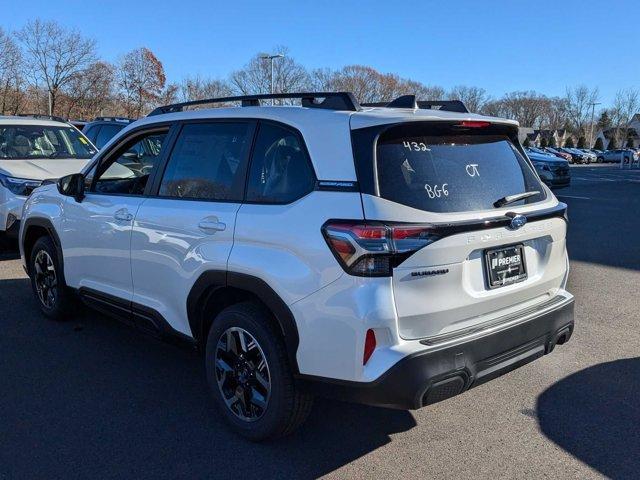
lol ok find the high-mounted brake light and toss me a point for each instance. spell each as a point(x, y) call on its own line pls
point(473, 124)
point(373, 249)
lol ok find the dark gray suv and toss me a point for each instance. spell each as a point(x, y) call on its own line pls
point(103, 129)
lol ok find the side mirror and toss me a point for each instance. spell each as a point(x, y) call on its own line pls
point(72, 186)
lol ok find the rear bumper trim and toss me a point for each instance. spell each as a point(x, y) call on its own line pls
point(519, 316)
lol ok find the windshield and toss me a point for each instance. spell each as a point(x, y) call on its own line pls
point(452, 172)
point(22, 142)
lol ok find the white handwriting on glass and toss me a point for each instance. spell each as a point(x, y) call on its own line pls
point(415, 146)
point(435, 191)
point(472, 170)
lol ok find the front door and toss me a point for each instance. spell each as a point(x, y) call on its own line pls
point(96, 231)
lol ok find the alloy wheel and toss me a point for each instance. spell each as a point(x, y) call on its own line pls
point(242, 373)
point(46, 280)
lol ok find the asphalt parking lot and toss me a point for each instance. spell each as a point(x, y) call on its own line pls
point(91, 398)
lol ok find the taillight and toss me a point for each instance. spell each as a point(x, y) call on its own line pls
point(372, 249)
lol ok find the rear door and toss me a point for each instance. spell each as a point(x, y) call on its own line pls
point(187, 225)
point(477, 264)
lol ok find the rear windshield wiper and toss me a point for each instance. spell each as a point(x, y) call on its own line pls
point(514, 198)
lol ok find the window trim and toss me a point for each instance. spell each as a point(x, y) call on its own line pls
point(305, 150)
point(178, 127)
point(105, 158)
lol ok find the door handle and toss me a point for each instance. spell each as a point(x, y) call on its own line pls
point(123, 215)
point(211, 225)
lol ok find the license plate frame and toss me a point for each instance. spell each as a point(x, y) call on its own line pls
point(499, 275)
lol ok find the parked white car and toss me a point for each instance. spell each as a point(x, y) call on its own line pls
point(394, 256)
point(33, 149)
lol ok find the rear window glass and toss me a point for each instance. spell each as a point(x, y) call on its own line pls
point(452, 172)
point(107, 132)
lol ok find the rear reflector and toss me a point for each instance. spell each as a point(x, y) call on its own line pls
point(369, 346)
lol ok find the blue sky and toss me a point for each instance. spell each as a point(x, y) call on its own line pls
point(501, 46)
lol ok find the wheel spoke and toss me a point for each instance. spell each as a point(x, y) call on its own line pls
point(242, 374)
point(258, 399)
point(232, 345)
point(243, 346)
point(264, 383)
point(222, 365)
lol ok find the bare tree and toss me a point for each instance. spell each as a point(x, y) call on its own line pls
point(90, 94)
point(369, 86)
point(255, 77)
point(554, 114)
point(625, 105)
point(141, 80)
point(198, 88)
point(55, 55)
point(579, 102)
point(11, 75)
point(474, 98)
point(528, 108)
point(421, 91)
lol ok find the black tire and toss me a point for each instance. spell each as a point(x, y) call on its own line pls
point(286, 407)
point(60, 298)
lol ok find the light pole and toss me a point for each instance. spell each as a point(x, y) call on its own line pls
point(593, 108)
point(271, 58)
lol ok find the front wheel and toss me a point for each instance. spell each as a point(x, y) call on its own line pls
point(250, 377)
point(47, 282)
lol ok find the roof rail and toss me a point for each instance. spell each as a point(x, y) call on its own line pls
point(42, 116)
point(332, 101)
point(409, 101)
point(115, 119)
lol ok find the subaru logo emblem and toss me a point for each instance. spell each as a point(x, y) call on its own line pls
point(518, 221)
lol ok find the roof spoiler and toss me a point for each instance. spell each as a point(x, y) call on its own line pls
point(330, 101)
point(409, 101)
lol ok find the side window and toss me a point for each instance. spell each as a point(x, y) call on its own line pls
point(128, 169)
point(280, 168)
point(207, 162)
point(107, 132)
point(91, 133)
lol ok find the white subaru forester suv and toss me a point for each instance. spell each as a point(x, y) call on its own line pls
point(34, 148)
point(391, 255)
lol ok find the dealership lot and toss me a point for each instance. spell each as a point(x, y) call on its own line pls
point(93, 398)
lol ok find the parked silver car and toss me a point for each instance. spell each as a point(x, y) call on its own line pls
point(552, 170)
point(614, 156)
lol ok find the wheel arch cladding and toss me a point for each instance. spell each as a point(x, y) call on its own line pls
point(215, 290)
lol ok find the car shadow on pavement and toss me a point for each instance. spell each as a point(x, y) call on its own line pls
point(8, 248)
point(594, 414)
point(92, 398)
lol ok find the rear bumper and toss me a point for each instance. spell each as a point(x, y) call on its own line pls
point(436, 374)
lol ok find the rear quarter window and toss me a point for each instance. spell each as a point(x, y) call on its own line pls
point(452, 172)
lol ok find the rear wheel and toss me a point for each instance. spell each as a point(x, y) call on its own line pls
point(250, 377)
point(47, 283)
